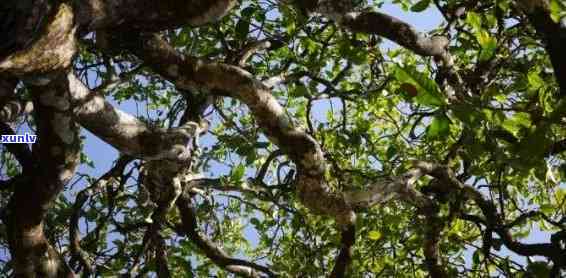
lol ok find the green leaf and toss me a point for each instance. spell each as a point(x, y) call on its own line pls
point(242, 28)
point(439, 127)
point(474, 20)
point(301, 91)
point(391, 152)
point(517, 122)
point(488, 45)
point(254, 221)
point(238, 172)
point(538, 269)
point(557, 10)
point(248, 11)
point(310, 45)
point(534, 79)
point(476, 257)
point(420, 6)
point(374, 235)
point(547, 209)
point(428, 92)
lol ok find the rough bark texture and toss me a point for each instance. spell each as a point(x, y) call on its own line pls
point(35, 192)
point(20, 22)
point(370, 22)
point(225, 80)
point(124, 131)
point(53, 51)
point(148, 15)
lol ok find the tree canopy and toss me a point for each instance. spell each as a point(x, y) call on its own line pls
point(315, 138)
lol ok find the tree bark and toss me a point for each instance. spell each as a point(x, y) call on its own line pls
point(58, 148)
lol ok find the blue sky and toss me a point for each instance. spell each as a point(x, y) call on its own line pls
point(103, 154)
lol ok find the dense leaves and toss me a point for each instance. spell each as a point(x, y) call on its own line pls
point(494, 117)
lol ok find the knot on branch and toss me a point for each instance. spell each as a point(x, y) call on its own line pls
point(53, 50)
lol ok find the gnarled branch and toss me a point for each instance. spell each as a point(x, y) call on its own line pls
point(125, 132)
point(213, 252)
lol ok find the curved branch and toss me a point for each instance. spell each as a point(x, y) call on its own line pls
point(59, 144)
point(225, 80)
point(214, 253)
point(265, 166)
point(395, 30)
point(250, 49)
point(77, 252)
point(125, 132)
point(150, 15)
point(371, 22)
point(493, 219)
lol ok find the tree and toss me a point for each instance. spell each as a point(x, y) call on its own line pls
point(278, 138)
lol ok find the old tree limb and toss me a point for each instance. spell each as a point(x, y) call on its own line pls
point(204, 53)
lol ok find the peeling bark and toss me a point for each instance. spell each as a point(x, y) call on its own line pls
point(124, 131)
point(32, 254)
point(19, 23)
point(14, 109)
point(40, 48)
point(53, 51)
point(226, 80)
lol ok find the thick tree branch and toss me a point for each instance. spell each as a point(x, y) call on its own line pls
point(19, 22)
point(398, 187)
point(58, 144)
point(150, 15)
point(51, 52)
point(41, 48)
point(553, 34)
point(125, 132)
point(191, 73)
point(371, 22)
point(396, 30)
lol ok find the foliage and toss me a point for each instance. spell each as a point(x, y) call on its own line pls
point(374, 111)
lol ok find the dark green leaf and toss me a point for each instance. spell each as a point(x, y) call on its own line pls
point(420, 6)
